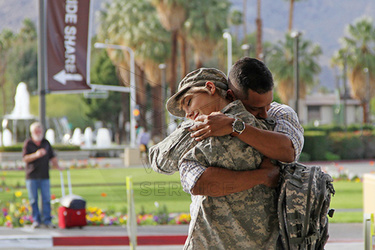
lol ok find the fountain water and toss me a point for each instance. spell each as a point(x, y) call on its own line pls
point(50, 136)
point(77, 137)
point(7, 138)
point(88, 137)
point(21, 112)
point(103, 138)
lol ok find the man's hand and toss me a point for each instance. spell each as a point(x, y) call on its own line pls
point(40, 152)
point(271, 172)
point(214, 124)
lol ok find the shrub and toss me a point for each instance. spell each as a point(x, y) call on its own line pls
point(347, 145)
point(58, 147)
point(316, 145)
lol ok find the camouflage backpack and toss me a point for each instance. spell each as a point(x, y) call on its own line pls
point(303, 206)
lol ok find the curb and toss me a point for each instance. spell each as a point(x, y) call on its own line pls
point(144, 240)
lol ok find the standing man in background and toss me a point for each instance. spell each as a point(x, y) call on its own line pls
point(37, 152)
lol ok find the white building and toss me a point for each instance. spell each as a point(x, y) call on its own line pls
point(321, 109)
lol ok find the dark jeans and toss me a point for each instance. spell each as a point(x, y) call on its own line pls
point(33, 185)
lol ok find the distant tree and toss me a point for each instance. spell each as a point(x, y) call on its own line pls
point(204, 28)
point(258, 22)
point(281, 60)
point(19, 59)
point(291, 13)
point(235, 19)
point(172, 15)
point(358, 52)
point(6, 39)
point(107, 110)
point(135, 24)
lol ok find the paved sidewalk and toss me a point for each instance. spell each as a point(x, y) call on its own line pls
point(342, 236)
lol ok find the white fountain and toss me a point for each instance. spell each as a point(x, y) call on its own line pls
point(20, 116)
point(77, 137)
point(88, 137)
point(7, 138)
point(50, 136)
point(103, 138)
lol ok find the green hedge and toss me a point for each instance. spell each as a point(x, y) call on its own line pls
point(18, 148)
point(316, 145)
point(334, 144)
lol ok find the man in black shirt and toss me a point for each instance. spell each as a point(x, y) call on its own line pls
point(37, 152)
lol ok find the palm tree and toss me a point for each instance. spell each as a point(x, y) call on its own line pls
point(204, 28)
point(358, 50)
point(134, 24)
point(235, 19)
point(291, 13)
point(258, 22)
point(281, 64)
point(172, 15)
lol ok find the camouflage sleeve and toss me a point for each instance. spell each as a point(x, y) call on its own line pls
point(226, 151)
point(165, 155)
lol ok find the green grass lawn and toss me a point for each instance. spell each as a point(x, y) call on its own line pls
point(106, 188)
point(348, 197)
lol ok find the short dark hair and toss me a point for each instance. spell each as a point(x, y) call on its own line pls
point(250, 73)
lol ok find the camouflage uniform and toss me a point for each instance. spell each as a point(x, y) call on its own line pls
point(243, 220)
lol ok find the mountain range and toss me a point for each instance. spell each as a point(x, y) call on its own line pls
point(321, 21)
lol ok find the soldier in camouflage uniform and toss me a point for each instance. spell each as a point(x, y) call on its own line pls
point(241, 220)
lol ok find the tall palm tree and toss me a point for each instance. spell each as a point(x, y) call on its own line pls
point(134, 24)
point(358, 49)
point(258, 22)
point(281, 60)
point(204, 28)
point(172, 15)
point(291, 13)
point(244, 19)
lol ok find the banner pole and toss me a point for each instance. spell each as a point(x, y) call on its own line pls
point(42, 64)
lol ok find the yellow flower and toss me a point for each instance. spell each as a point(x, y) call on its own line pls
point(21, 221)
point(8, 218)
point(18, 194)
point(92, 209)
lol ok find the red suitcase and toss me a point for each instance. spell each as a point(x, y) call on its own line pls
point(69, 217)
point(72, 212)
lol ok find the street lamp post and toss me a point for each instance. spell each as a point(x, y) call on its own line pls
point(132, 85)
point(246, 49)
point(368, 94)
point(228, 36)
point(346, 95)
point(296, 35)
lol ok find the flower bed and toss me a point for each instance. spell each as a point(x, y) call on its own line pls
point(17, 213)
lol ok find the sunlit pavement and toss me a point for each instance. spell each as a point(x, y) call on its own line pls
point(342, 236)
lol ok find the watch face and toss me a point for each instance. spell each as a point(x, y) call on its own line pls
point(238, 126)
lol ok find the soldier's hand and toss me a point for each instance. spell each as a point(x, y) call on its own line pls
point(214, 124)
point(272, 172)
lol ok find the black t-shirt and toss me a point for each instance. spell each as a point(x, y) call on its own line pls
point(38, 169)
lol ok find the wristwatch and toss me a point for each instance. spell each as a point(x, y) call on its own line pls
point(238, 127)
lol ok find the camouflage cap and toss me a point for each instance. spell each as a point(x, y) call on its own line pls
point(196, 78)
